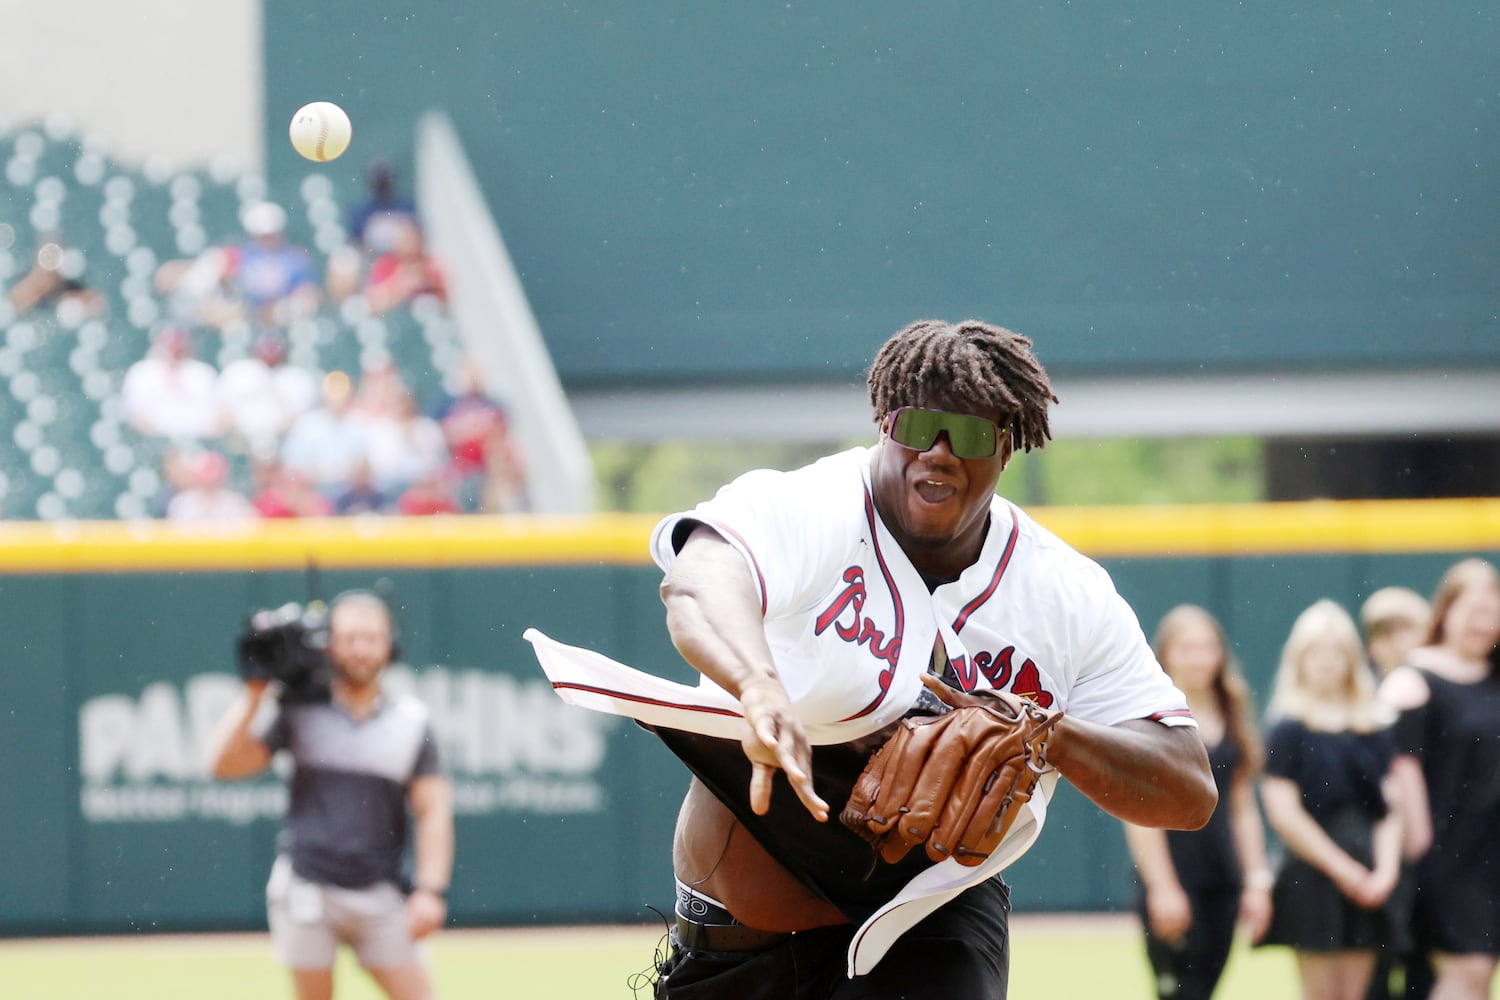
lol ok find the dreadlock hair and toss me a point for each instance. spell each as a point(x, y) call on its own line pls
point(932, 364)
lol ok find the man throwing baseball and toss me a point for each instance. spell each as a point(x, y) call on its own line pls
point(908, 662)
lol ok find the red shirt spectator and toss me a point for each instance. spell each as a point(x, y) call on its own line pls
point(289, 494)
point(403, 273)
point(428, 496)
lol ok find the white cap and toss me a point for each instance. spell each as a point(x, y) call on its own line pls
point(263, 219)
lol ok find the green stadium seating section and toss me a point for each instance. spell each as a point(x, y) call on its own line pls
point(66, 454)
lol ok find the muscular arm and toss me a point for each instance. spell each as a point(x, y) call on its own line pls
point(233, 752)
point(714, 618)
point(1139, 771)
point(431, 799)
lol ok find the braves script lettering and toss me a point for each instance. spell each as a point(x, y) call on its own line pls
point(997, 669)
point(858, 629)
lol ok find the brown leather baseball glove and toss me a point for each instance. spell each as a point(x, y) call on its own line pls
point(954, 782)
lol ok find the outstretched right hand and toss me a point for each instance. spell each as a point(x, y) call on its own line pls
point(776, 741)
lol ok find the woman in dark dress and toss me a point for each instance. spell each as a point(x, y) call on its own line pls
point(1449, 698)
point(1195, 886)
point(1327, 784)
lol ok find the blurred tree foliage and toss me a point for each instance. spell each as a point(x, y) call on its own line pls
point(674, 475)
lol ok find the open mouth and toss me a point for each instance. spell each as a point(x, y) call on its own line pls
point(934, 492)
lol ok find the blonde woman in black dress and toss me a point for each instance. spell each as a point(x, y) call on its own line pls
point(1196, 886)
point(1326, 793)
point(1449, 763)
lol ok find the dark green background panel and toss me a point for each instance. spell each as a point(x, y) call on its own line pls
point(1155, 586)
point(756, 191)
point(38, 744)
point(1266, 593)
point(1079, 863)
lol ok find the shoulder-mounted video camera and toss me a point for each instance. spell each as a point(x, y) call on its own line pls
point(288, 644)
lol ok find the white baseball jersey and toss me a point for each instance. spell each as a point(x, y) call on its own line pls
point(846, 613)
point(852, 627)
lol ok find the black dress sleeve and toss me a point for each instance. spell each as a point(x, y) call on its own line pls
point(1284, 750)
point(1410, 731)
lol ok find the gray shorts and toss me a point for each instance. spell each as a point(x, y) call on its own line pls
point(309, 921)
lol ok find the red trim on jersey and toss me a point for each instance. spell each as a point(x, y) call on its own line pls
point(977, 602)
point(641, 700)
point(1176, 713)
point(884, 569)
point(900, 629)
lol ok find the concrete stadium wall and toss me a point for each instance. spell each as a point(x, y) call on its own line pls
point(119, 640)
point(156, 79)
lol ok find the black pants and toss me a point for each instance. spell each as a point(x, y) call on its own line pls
point(1189, 968)
point(962, 950)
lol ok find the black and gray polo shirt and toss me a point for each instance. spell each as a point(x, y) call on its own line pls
point(347, 822)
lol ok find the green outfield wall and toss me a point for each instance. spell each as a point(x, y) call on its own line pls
point(119, 662)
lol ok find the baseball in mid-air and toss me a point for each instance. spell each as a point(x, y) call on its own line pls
point(321, 131)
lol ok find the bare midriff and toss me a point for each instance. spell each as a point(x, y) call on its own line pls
point(713, 853)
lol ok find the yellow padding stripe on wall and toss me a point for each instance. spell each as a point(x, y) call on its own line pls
point(620, 539)
point(1252, 529)
point(331, 543)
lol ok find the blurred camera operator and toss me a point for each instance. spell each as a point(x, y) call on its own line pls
point(362, 758)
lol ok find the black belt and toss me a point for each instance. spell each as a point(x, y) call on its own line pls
point(694, 936)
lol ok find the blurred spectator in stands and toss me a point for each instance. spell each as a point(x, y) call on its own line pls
point(171, 394)
point(403, 273)
point(1395, 621)
point(485, 464)
point(176, 476)
point(345, 273)
point(283, 493)
point(275, 277)
point(381, 392)
point(264, 280)
point(429, 495)
point(375, 222)
point(197, 291)
point(327, 443)
point(374, 227)
point(362, 495)
point(403, 446)
point(56, 280)
point(208, 496)
point(262, 395)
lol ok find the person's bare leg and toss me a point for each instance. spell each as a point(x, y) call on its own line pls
point(1339, 975)
point(313, 984)
point(1461, 977)
point(404, 982)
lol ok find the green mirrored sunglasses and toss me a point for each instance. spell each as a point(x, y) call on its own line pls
point(968, 436)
